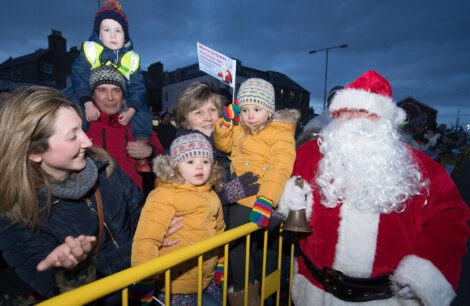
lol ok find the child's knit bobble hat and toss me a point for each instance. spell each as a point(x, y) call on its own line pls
point(257, 91)
point(106, 75)
point(112, 10)
point(188, 146)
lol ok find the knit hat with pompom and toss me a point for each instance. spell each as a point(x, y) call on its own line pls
point(112, 10)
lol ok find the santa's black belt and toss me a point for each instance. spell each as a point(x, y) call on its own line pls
point(350, 289)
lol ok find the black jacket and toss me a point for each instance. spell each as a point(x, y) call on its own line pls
point(24, 248)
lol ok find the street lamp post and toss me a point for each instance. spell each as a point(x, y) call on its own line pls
point(326, 67)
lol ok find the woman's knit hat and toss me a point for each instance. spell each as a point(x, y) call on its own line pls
point(190, 145)
point(106, 75)
point(257, 91)
point(112, 10)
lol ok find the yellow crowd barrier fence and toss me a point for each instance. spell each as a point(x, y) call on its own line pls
point(270, 284)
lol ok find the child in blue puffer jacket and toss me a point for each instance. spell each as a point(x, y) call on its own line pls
point(110, 44)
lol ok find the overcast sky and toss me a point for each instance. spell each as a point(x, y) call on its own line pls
point(421, 47)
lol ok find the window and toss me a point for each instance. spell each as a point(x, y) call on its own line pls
point(47, 68)
point(178, 75)
point(291, 96)
point(166, 96)
point(166, 78)
point(423, 117)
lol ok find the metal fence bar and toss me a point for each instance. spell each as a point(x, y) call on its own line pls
point(125, 297)
point(247, 268)
point(263, 267)
point(199, 280)
point(224, 287)
point(279, 268)
point(291, 271)
point(167, 287)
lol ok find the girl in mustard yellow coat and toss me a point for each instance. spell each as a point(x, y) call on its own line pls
point(262, 143)
point(184, 188)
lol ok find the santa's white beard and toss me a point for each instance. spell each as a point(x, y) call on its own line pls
point(365, 163)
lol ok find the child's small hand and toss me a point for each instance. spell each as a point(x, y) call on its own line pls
point(91, 111)
point(219, 275)
point(125, 117)
point(261, 212)
point(230, 114)
point(240, 187)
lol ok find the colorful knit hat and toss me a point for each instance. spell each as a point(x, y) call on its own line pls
point(106, 75)
point(370, 92)
point(112, 10)
point(190, 145)
point(257, 91)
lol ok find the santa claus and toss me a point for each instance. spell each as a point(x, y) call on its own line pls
point(389, 226)
point(226, 76)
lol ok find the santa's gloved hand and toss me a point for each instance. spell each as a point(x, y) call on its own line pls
point(261, 212)
point(230, 114)
point(406, 292)
point(296, 199)
point(240, 187)
point(297, 195)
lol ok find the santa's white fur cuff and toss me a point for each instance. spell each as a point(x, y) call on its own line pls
point(425, 279)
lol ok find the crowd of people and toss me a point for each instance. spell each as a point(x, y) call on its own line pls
point(389, 226)
point(437, 141)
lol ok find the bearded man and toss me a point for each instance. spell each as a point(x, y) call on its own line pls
point(389, 226)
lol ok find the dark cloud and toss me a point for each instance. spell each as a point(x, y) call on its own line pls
point(421, 47)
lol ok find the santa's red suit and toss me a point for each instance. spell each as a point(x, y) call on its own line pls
point(226, 76)
point(421, 246)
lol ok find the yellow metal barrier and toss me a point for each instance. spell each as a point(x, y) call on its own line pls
point(270, 284)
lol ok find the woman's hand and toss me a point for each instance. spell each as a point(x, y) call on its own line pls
point(175, 226)
point(69, 254)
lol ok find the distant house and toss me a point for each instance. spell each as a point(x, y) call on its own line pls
point(49, 66)
point(417, 110)
point(154, 82)
point(288, 93)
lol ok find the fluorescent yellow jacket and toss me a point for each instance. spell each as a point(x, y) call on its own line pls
point(128, 63)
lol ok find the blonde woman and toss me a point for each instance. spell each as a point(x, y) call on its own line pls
point(49, 213)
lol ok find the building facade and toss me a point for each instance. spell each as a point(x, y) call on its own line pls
point(49, 66)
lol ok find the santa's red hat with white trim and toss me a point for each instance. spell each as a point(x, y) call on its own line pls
point(370, 92)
